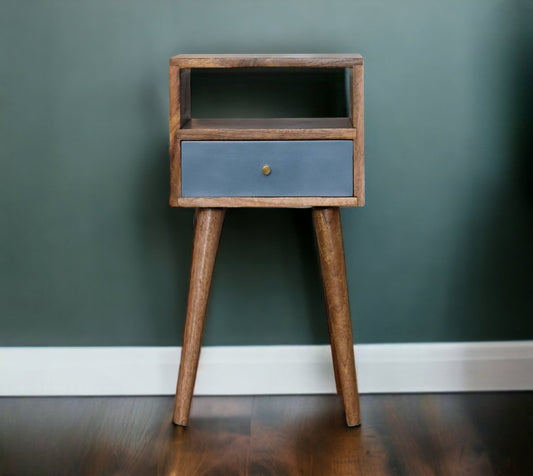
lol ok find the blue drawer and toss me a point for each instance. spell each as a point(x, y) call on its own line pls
point(317, 168)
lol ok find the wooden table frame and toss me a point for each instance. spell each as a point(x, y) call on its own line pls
point(210, 211)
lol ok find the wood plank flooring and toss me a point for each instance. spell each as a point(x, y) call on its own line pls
point(440, 434)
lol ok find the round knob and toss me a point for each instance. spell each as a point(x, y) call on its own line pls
point(266, 170)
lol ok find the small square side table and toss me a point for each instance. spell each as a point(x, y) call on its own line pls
point(315, 163)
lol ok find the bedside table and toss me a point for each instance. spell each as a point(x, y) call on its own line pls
point(217, 164)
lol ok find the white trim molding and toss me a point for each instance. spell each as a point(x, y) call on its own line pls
point(266, 370)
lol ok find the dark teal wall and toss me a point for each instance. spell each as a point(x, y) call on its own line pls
point(92, 255)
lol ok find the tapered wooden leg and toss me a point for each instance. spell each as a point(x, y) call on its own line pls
point(332, 345)
point(206, 237)
point(334, 358)
point(327, 222)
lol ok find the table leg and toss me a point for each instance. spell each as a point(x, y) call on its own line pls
point(327, 222)
point(206, 237)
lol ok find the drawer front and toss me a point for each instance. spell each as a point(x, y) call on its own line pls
point(297, 168)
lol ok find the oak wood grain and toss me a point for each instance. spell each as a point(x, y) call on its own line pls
point(308, 436)
point(179, 114)
point(480, 434)
point(206, 237)
point(217, 444)
point(327, 222)
point(179, 100)
point(333, 349)
point(268, 129)
point(175, 174)
point(266, 202)
point(357, 115)
point(174, 115)
point(266, 60)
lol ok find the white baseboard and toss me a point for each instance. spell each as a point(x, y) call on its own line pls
point(264, 370)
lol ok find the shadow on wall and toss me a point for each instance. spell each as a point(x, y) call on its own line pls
point(259, 247)
point(495, 285)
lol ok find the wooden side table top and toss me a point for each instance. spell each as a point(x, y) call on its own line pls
point(267, 60)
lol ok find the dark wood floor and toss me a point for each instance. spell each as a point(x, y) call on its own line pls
point(443, 434)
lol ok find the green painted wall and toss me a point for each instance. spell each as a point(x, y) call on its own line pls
point(92, 255)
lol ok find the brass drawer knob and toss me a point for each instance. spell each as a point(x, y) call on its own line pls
point(266, 170)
